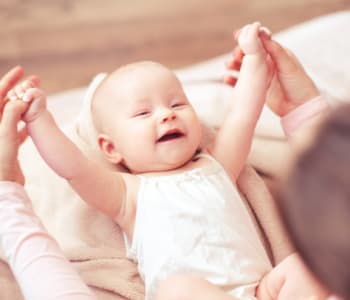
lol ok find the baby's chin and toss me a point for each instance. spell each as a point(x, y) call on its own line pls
point(168, 165)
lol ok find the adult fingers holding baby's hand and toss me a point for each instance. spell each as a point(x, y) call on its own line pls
point(294, 86)
point(10, 139)
point(7, 82)
point(250, 37)
point(233, 63)
point(10, 135)
point(36, 98)
point(19, 91)
point(10, 112)
point(10, 132)
point(32, 98)
point(252, 33)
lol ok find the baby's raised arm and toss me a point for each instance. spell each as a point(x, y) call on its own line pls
point(98, 186)
point(234, 138)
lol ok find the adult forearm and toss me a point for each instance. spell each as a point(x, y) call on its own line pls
point(304, 115)
point(39, 266)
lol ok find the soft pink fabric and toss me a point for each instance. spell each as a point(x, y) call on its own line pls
point(333, 297)
point(41, 270)
point(303, 114)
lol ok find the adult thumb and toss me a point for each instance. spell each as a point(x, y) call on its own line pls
point(284, 60)
point(12, 114)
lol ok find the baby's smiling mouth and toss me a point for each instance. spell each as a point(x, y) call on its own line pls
point(170, 135)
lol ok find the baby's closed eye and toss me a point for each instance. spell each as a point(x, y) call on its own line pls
point(178, 104)
point(142, 113)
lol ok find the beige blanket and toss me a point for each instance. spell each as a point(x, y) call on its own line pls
point(94, 243)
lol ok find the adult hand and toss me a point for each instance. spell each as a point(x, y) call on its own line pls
point(290, 87)
point(10, 136)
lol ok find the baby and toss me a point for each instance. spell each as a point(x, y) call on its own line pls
point(177, 204)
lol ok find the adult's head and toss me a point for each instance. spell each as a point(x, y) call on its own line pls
point(315, 202)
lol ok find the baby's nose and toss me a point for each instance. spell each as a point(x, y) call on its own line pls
point(168, 115)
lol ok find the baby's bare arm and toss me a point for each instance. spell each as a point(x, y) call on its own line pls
point(98, 186)
point(234, 139)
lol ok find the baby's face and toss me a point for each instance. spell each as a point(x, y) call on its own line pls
point(149, 119)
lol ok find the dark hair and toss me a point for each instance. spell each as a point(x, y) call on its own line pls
point(314, 203)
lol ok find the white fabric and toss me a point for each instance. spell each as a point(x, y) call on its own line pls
point(196, 222)
point(40, 268)
point(84, 119)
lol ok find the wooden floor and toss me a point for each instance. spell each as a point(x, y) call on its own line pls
point(67, 42)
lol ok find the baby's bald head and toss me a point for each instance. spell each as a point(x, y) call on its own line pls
point(116, 86)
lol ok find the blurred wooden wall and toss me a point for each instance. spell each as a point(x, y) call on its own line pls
point(66, 42)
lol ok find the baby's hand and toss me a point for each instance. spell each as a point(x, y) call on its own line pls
point(31, 94)
point(249, 40)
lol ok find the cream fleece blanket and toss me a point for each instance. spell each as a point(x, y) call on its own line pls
point(93, 242)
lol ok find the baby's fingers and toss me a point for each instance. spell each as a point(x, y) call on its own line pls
point(34, 80)
point(248, 38)
point(37, 104)
point(20, 89)
point(17, 93)
point(32, 94)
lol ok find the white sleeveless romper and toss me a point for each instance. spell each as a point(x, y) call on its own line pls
point(195, 222)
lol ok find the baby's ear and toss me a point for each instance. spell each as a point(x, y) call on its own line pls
point(108, 149)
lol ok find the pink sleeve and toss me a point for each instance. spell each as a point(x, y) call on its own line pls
point(303, 114)
point(333, 297)
point(35, 258)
